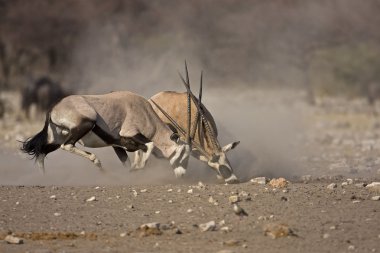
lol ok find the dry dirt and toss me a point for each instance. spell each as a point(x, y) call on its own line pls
point(333, 142)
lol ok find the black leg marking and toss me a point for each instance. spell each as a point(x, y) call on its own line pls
point(121, 154)
point(77, 133)
point(106, 137)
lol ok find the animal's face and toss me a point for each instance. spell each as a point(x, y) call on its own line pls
point(220, 162)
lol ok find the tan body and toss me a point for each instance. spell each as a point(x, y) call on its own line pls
point(175, 104)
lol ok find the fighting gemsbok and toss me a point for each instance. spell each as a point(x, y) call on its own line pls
point(170, 107)
point(122, 119)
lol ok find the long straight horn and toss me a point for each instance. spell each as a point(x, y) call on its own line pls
point(188, 137)
point(205, 122)
point(197, 118)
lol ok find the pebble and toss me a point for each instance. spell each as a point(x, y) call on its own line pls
point(143, 190)
point(209, 226)
point(332, 186)
point(350, 181)
point(225, 229)
point(57, 214)
point(13, 239)
point(53, 197)
point(259, 180)
point(344, 184)
point(170, 190)
point(123, 234)
point(130, 206)
point(231, 242)
point(170, 201)
point(351, 247)
point(374, 186)
point(157, 212)
point(189, 210)
point(234, 199)
point(376, 198)
point(306, 178)
point(190, 191)
point(325, 236)
point(91, 199)
point(278, 182)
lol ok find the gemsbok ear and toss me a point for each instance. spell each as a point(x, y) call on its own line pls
point(230, 146)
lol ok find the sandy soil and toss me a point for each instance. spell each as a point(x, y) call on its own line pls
point(332, 142)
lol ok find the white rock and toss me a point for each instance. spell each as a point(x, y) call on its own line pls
point(170, 201)
point(332, 186)
point(234, 199)
point(53, 197)
point(93, 198)
point(170, 190)
point(190, 191)
point(134, 193)
point(344, 184)
point(326, 235)
point(123, 234)
point(150, 225)
point(376, 198)
point(351, 247)
point(143, 190)
point(350, 181)
point(157, 212)
point(57, 214)
point(189, 210)
point(209, 226)
point(13, 240)
point(259, 180)
point(225, 229)
point(222, 223)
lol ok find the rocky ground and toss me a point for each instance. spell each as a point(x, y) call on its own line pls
point(328, 203)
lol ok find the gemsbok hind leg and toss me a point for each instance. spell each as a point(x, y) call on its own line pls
point(74, 135)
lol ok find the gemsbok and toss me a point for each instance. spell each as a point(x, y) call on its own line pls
point(122, 119)
point(170, 107)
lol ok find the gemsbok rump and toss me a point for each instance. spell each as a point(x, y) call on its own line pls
point(122, 119)
point(170, 107)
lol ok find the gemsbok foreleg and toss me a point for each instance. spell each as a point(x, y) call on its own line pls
point(74, 135)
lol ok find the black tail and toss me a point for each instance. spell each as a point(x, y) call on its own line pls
point(37, 145)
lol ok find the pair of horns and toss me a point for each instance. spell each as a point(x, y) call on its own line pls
point(200, 113)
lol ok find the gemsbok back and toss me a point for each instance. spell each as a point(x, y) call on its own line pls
point(170, 107)
point(122, 119)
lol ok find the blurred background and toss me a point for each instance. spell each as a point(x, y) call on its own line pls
point(268, 66)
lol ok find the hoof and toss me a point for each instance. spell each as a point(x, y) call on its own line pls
point(232, 180)
point(179, 172)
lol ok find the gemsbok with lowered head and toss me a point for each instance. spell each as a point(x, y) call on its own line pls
point(202, 133)
point(123, 120)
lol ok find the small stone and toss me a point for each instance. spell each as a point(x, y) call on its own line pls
point(278, 182)
point(82, 232)
point(97, 188)
point(326, 235)
point(285, 191)
point(91, 199)
point(277, 230)
point(201, 185)
point(374, 187)
point(209, 226)
point(332, 186)
point(222, 223)
point(170, 201)
point(332, 227)
point(134, 193)
point(149, 229)
point(259, 180)
point(234, 199)
point(123, 234)
point(244, 246)
point(143, 190)
point(189, 210)
point(170, 190)
point(179, 190)
point(178, 231)
point(231, 243)
point(344, 184)
point(351, 247)
point(57, 214)
point(350, 181)
point(157, 212)
point(376, 198)
point(190, 191)
point(130, 206)
point(13, 239)
point(53, 197)
point(356, 201)
point(306, 178)
point(225, 229)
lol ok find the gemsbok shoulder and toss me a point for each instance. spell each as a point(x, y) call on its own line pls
point(170, 107)
point(122, 119)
